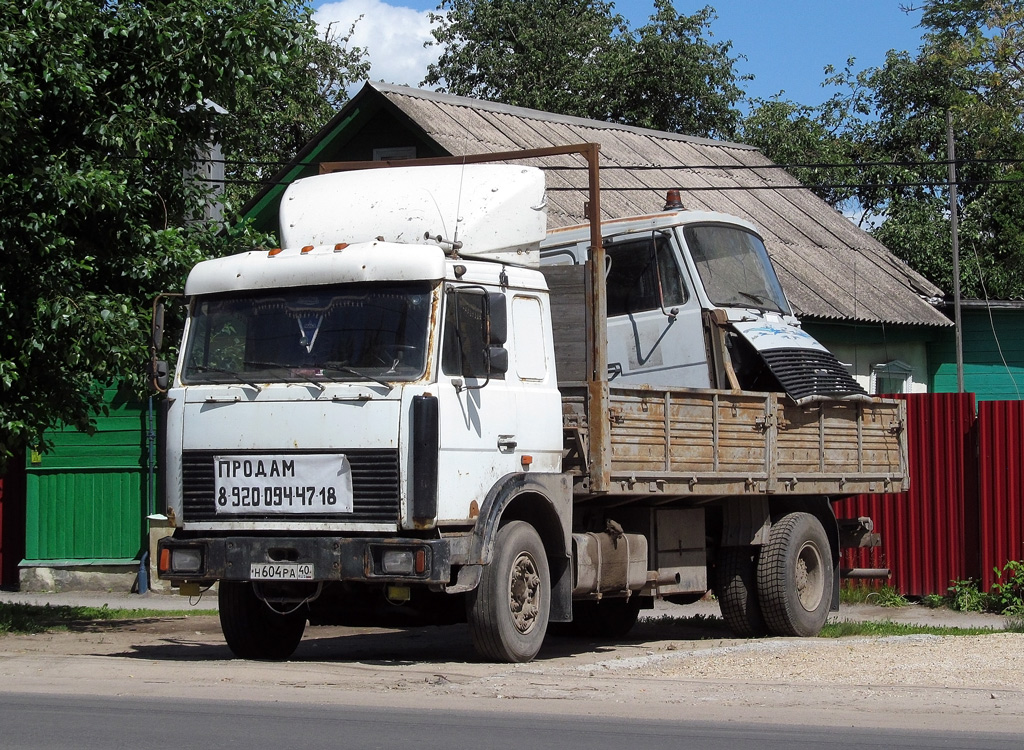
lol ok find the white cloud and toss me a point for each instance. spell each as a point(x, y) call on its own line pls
point(392, 35)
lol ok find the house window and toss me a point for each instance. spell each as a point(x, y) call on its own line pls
point(892, 377)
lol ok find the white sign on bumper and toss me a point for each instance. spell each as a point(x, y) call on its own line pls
point(282, 484)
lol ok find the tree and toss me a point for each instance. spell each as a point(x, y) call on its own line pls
point(580, 58)
point(884, 132)
point(795, 134)
point(103, 108)
point(280, 116)
point(676, 79)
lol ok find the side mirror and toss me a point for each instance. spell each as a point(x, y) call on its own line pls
point(158, 326)
point(159, 374)
point(497, 313)
point(498, 360)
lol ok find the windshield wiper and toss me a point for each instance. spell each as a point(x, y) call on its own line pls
point(763, 303)
point(230, 373)
point(342, 367)
point(294, 370)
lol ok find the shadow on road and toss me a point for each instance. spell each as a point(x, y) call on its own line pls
point(416, 645)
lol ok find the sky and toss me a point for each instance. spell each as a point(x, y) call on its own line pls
point(787, 43)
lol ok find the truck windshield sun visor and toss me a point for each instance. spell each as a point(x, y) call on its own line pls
point(375, 332)
point(734, 268)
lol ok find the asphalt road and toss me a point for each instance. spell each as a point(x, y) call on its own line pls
point(54, 722)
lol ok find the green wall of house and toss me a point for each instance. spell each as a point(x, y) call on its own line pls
point(993, 345)
point(863, 346)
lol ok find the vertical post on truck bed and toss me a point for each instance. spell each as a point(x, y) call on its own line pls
point(597, 335)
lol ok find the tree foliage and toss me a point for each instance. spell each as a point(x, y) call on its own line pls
point(103, 108)
point(581, 58)
point(883, 135)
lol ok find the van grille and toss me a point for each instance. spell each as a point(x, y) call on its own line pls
point(808, 372)
point(375, 489)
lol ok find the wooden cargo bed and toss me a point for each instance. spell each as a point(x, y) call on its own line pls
point(681, 442)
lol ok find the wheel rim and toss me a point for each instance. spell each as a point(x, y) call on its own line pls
point(524, 593)
point(810, 576)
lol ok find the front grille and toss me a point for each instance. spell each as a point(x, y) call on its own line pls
point(809, 372)
point(375, 489)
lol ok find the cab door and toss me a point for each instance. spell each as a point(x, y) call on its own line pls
point(478, 417)
point(655, 328)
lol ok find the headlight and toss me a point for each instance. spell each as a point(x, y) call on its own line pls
point(186, 560)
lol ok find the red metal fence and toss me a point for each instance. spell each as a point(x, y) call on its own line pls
point(1001, 484)
point(927, 537)
point(963, 516)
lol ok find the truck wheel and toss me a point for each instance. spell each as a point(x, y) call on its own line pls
point(251, 629)
point(508, 610)
point(607, 618)
point(736, 589)
point(794, 577)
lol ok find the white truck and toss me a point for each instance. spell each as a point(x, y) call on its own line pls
point(423, 407)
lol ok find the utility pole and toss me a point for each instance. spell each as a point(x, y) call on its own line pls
point(955, 230)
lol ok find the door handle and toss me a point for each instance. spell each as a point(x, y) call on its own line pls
point(507, 443)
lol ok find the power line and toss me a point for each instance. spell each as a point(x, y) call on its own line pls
point(663, 167)
point(820, 186)
point(701, 188)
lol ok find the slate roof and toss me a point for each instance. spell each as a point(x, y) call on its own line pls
point(830, 269)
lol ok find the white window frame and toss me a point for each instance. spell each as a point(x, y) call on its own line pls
point(893, 370)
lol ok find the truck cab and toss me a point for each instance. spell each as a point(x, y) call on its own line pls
point(345, 409)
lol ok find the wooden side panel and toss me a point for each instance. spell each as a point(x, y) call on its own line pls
point(705, 442)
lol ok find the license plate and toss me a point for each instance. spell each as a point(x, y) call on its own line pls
point(281, 572)
point(282, 484)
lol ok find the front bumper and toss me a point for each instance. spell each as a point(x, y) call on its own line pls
point(209, 559)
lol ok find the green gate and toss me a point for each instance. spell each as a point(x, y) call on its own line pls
point(86, 499)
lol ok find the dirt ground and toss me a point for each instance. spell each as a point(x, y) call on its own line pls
point(665, 669)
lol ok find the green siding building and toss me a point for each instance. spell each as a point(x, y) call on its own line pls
point(993, 347)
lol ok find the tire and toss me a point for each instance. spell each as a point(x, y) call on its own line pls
point(251, 629)
point(508, 611)
point(606, 618)
point(736, 589)
point(794, 577)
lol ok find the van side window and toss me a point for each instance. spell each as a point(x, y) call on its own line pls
point(643, 275)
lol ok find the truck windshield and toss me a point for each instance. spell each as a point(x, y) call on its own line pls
point(366, 332)
point(734, 267)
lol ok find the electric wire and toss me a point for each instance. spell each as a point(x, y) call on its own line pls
point(700, 188)
point(991, 320)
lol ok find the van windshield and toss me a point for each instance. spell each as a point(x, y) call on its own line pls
point(734, 267)
point(352, 332)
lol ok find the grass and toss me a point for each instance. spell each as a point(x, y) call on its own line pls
point(883, 596)
point(887, 627)
point(705, 626)
point(31, 618)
